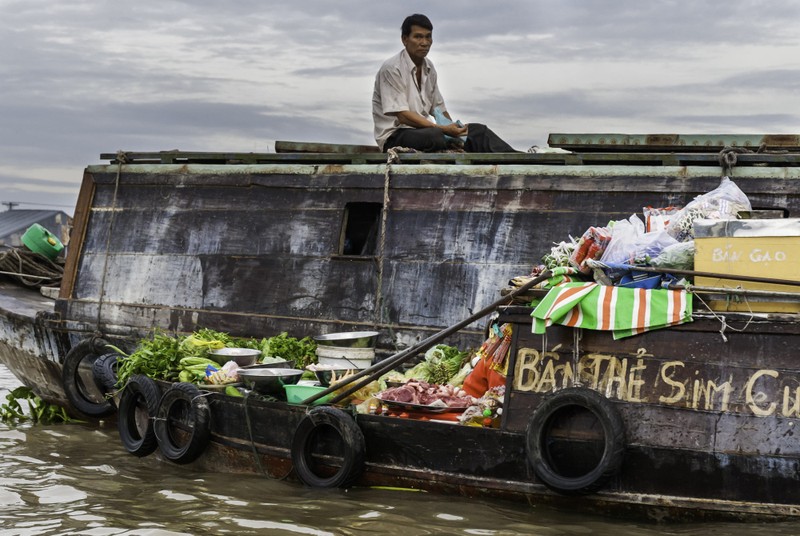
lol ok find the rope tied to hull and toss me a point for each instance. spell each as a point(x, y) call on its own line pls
point(724, 326)
point(728, 156)
point(247, 394)
point(393, 157)
point(120, 159)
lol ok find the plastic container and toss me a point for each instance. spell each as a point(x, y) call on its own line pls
point(345, 358)
point(767, 248)
point(295, 394)
point(640, 280)
point(41, 241)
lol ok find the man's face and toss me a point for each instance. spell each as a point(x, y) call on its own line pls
point(418, 43)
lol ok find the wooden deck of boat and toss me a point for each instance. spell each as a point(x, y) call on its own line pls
point(22, 301)
point(570, 150)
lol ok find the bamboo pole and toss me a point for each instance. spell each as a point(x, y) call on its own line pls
point(780, 296)
point(694, 273)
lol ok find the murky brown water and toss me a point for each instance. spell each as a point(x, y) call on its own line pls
point(77, 479)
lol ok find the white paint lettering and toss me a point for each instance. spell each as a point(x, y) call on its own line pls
point(754, 399)
point(794, 410)
point(678, 389)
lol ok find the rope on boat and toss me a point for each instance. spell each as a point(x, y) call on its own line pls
point(724, 321)
point(121, 159)
point(30, 269)
point(392, 158)
point(250, 433)
point(728, 156)
point(253, 442)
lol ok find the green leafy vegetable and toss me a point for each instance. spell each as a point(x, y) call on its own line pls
point(165, 357)
point(441, 363)
point(157, 357)
point(39, 411)
point(302, 351)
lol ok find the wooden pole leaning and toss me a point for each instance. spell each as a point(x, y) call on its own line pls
point(693, 273)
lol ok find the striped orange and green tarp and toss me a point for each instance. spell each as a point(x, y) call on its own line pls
point(625, 311)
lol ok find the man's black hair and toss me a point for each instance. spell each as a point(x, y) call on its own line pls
point(416, 19)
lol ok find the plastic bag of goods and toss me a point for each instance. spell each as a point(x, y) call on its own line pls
point(722, 203)
point(630, 245)
point(591, 246)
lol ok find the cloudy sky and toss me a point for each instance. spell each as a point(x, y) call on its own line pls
point(84, 77)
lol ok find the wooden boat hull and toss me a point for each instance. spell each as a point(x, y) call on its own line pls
point(702, 416)
point(259, 244)
point(475, 462)
point(29, 345)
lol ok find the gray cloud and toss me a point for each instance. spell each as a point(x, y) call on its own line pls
point(86, 77)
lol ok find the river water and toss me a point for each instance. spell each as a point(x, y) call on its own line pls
point(77, 479)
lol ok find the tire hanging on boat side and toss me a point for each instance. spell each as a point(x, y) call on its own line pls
point(183, 423)
point(352, 445)
point(77, 378)
point(104, 370)
point(550, 456)
point(138, 405)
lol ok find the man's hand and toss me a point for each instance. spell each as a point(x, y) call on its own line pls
point(454, 130)
point(415, 120)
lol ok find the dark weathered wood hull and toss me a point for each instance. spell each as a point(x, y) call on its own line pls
point(179, 242)
point(483, 462)
point(256, 249)
point(704, 416)
point(31, 349)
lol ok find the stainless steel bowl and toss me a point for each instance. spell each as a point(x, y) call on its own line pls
point(354, 339)
point(326, 375)
point(275, 364)
point(269, 381)
point(242, 356)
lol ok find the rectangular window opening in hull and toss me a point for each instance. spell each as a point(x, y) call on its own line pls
point(360, 229)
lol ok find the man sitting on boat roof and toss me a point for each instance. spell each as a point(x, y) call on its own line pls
point(408, 109)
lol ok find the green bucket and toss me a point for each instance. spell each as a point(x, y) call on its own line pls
point(41, 241)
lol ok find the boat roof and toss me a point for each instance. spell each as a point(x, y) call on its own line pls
point(563, 149)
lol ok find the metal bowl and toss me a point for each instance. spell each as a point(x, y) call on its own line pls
point(354, 339)
point(275, 364)
point(242, 356)
point(269, 381)
point(325, 375)
point(394, 383)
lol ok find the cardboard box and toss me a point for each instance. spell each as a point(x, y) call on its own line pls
point(758, 248)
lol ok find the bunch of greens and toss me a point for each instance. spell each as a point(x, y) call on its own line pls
point(559, 254)
point(39, 411)
point(157, 357)
point(441, 363)
point(199, 343)
point(302, 351)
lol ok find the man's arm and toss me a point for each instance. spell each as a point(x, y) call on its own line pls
point(415, 120)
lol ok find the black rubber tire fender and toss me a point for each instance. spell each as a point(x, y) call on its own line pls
point(613, 428)
point(353, 444)
point(104, 370)
point(138, 405)
point(183, 402)
point(74, 387)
